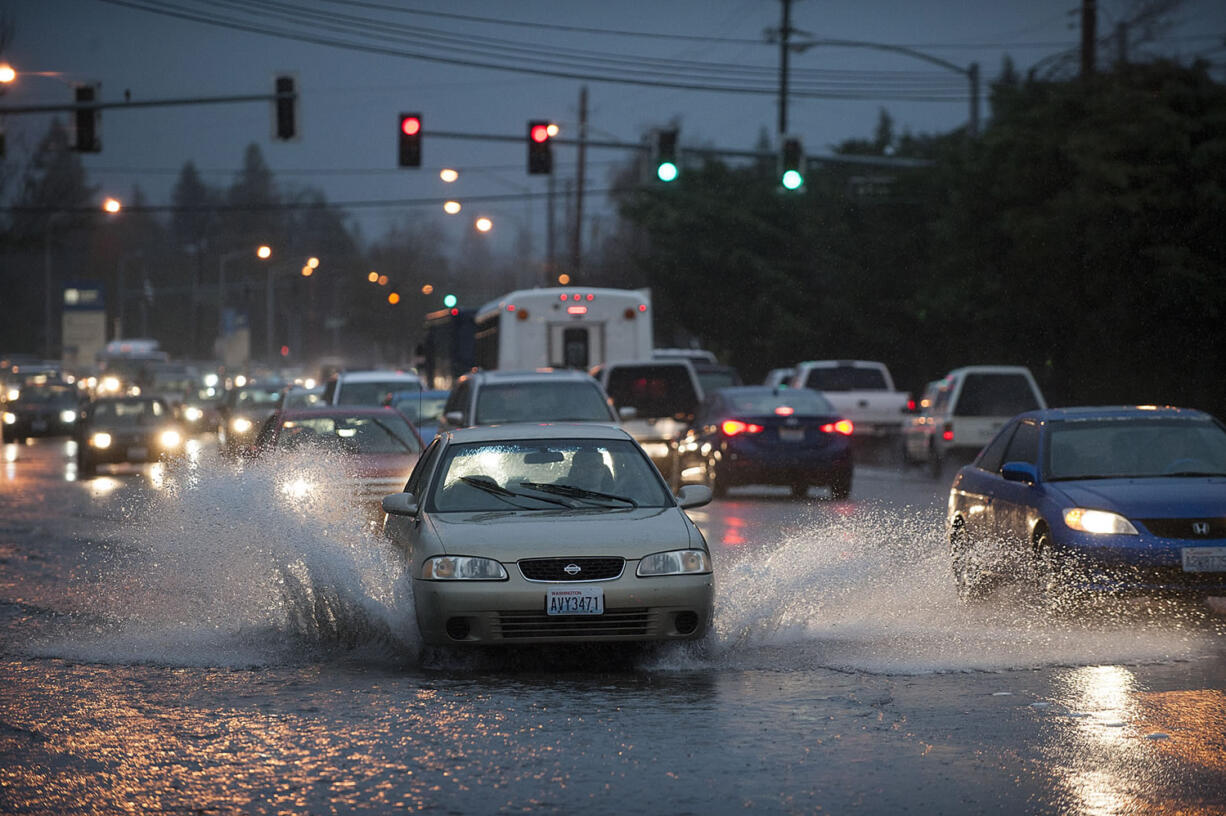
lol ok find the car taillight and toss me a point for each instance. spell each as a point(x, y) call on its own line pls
point(843, 426)
point(732, 427)
point(948, 433)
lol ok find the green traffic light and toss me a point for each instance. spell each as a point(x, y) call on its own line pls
point(792, 180)
point(666, 171)
point(449, 300)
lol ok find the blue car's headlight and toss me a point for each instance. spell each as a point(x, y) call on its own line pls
point(1098, 521)
point(677, 562)
point(462, 568)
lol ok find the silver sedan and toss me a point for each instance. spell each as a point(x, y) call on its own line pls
point(550, 533)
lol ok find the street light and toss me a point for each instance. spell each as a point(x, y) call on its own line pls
point(483, 224)
point(112, 206)
point(7, 73)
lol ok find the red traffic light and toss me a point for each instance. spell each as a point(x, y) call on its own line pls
point(540, 133)
point(410, 125)
point(409, 153)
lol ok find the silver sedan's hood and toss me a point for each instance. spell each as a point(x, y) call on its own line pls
point(511, 536)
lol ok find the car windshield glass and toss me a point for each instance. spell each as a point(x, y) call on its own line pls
point(127, 412)
point(258, 397)
point(846, 378)
point(713, 378)
point(786, 402)
point(303, 397)
point(418, 407)
point(653, 391)
point(371, 393)
point(541, 402)
point(1135, 447)
point(547, 474)
point(350, 434)
point(997, 395)
point(45, 394)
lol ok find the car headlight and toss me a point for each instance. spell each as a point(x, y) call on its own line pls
point(10, 418)
point(109, 384)
point(170, 438)
point(102, 439)
point(68, 416)
point(193, 414)
point(14, 393)
point(297, 488)
point(677, 562)
point(240, 425)
point(1098, 521)
point(462, 568)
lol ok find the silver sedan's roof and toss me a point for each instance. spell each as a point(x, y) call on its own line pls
point(538, 430)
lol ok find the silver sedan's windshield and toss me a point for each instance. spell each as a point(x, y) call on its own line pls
point(547, 474)
point(1135, 447)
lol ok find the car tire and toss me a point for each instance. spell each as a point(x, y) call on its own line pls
point(1049, 574)
point(86, 466)
point(717, 483)
point(840, 488)
point(968, 576)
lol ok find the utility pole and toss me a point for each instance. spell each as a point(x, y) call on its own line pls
point(785, 32)
point(1089, 19)
point(576, 245)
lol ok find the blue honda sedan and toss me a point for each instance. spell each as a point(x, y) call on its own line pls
point(1094, 499)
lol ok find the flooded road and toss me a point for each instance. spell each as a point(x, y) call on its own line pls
point(193, 640)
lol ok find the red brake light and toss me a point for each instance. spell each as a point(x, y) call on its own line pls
point(732, 427)
point(785, 410)
point(843, 426)
point(948, 434)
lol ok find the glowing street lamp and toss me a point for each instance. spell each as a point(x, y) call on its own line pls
point(7, 73)
point(448, 175)
point(373, 277)
point(451, 207)
point(263, 252)
point(483, 224)
point(427, 289)
point(112, 205)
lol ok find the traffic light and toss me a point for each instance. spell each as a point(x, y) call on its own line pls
point(666, 154)
point(87, 120)
point(540, 151)
point(792, 164)
point(410, 140)
point(450, 301)
point(285, 109)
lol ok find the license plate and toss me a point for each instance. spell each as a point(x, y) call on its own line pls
point(579, 601)
point(791, 434)
point(138, 453)
point(1204, 559)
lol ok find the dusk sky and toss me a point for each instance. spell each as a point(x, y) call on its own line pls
point(398, 58)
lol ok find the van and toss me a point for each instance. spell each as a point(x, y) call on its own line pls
point(656, 400)
point(965, 410)
point(368, 387)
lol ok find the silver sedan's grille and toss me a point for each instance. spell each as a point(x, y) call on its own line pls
point(571, 569)
point(612, 624)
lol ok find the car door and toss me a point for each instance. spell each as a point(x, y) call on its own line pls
point(1014, 503)
point(975, 489)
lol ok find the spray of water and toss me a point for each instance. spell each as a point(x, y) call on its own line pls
point(246, 564)
point(268, 562)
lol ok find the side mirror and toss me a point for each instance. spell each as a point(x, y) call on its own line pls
point(453, 418)
point(627, 412)
point(693, 496)
point(1019, 472)
point(400, 504)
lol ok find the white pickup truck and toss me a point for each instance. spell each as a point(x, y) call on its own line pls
point(860, 390)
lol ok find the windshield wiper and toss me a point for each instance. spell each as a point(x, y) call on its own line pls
point(490, 486)
point(570, 491)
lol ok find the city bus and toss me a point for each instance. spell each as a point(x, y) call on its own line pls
point(564, 327)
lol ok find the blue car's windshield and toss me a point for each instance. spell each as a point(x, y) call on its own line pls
point(1121, 448)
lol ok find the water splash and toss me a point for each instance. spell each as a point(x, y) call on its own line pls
point(246, 564)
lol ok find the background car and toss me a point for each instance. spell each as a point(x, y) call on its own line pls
point(120, 430)
point(550, 533)
point(761, 435)
point(968, 406)
point(376, 447)
point(243, 411)
point(1094, 499)
point(423, 408)
point(656, 400)
point(368, 387)
point(536, 395)
point(46, 409)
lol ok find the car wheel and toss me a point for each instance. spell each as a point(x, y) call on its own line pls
point(968, 573)
point(1050, 578)
point(86, 466)
point(840, 488)
point(717, 483)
